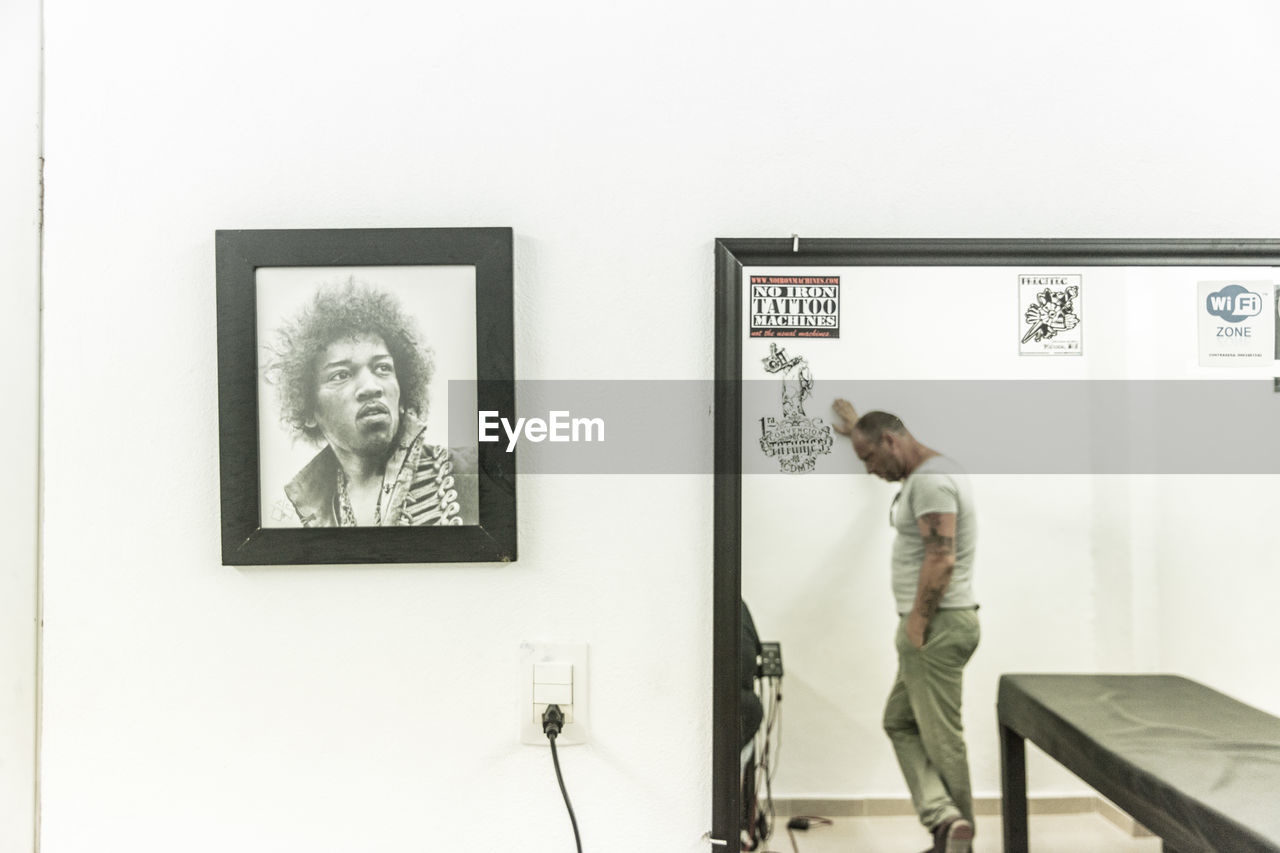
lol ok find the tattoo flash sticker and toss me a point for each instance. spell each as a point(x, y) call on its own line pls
point(794, 439)
point(1051, 309)
point(795, 306)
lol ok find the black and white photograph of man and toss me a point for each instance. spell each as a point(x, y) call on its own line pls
point(355, 365)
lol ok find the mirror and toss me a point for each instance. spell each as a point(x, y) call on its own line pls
point(1100, 395)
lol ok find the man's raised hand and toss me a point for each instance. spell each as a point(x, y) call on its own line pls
point(848, 417)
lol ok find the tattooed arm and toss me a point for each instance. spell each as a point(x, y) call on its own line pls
point(939, 532)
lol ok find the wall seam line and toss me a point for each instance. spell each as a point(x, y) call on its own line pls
point(38, 746)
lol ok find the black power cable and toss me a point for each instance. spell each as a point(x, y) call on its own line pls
point(803, 823)
point(769, 745)
point(552, 723)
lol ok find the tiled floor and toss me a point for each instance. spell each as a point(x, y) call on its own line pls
point(1078, 833)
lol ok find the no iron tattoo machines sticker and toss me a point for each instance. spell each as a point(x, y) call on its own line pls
point(794, 306)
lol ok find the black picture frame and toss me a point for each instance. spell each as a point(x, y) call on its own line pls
point(731, 257)
point(240, 255)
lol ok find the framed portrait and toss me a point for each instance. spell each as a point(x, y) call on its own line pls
point(916, 327)
point(352, 367)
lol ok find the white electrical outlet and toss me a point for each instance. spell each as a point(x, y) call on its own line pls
point(553, 674)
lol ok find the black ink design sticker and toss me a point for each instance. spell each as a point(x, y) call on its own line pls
point(795, 440)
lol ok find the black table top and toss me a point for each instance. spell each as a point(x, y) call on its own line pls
point(1182, 758)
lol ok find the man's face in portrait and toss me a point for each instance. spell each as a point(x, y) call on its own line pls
point(357, 395)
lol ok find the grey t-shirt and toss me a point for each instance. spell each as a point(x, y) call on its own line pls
point(937, 485)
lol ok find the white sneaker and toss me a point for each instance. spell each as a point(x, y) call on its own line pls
point(959, 836)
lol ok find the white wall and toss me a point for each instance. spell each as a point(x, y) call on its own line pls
point(1216, 600)
point(19, 387)
point(201, 707)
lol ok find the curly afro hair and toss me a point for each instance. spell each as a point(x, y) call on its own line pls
point(341, 310)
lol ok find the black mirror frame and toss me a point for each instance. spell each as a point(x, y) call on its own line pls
point(731, 256)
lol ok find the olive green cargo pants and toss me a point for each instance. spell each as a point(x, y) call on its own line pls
point(922, 716)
